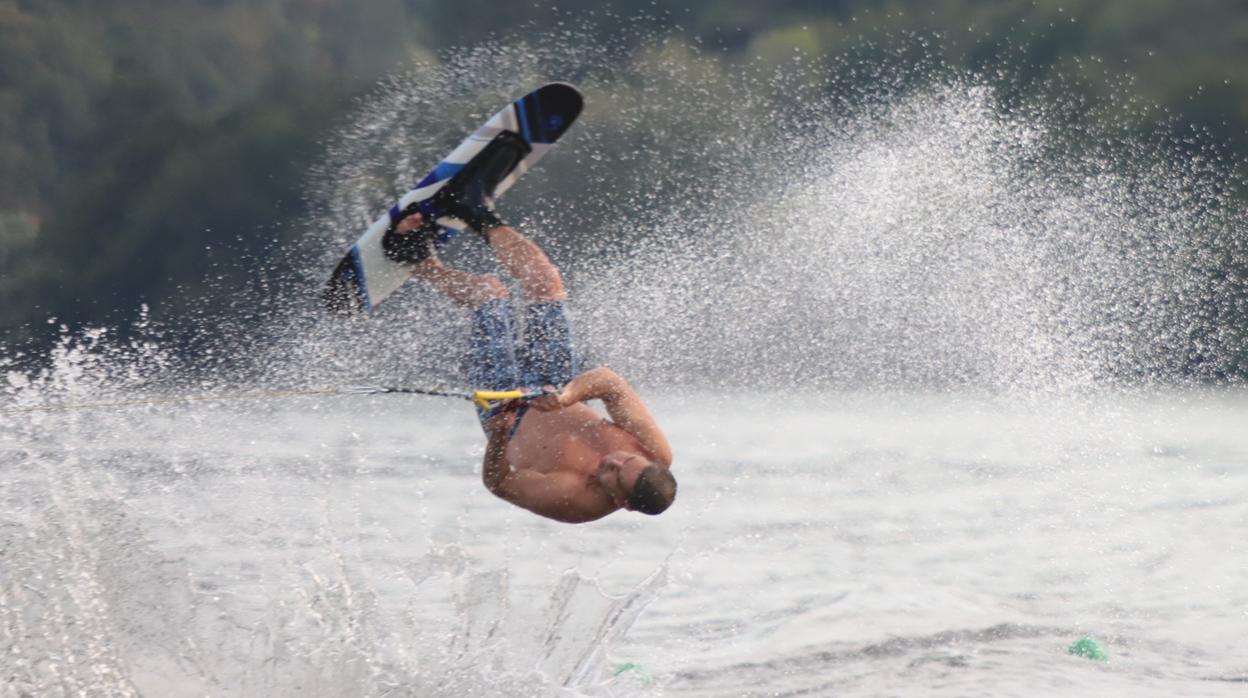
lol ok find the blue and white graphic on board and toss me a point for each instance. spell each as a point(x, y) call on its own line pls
point(366, 275)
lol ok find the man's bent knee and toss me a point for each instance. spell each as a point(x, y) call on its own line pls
point(545, 288)
point(486, 289)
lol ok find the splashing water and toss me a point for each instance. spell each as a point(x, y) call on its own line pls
point(727, 226)
point(188, 550)
point(721, 227)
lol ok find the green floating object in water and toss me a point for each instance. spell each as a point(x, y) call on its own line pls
point(638, 674)
point(1088, 649)
point(626, 666)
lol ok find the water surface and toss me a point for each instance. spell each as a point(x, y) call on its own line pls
point(844, 543)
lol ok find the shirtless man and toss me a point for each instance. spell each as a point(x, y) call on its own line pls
point(553, 455)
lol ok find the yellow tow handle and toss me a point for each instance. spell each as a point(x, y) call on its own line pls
point(485, 399)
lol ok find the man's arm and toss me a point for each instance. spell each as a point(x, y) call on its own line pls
point(496, 468)
point(561, 496)
point(625, 407)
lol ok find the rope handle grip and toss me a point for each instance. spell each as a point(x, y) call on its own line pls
point(488, 399)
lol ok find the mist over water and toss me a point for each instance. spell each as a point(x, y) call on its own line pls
point(938, 244)
point(728, 225)
point(721, 227)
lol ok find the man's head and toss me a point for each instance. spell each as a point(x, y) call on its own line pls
point(636, 483)
point(654, 491)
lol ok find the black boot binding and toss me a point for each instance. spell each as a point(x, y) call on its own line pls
point(469, 196)
point(411, 247)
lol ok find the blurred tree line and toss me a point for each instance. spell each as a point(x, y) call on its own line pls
point(136, 135)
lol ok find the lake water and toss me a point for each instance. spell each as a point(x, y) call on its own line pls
point(850, 544)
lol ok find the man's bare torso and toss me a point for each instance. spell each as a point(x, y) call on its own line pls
point(573, 439)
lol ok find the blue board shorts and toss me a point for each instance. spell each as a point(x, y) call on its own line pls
point(500, 359)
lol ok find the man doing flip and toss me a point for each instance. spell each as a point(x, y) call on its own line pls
point(552, 455)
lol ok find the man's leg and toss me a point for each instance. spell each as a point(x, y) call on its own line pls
point(490, 362)
point(469, 196)
point(525, 262)
point(546, 353)
point(462, 288)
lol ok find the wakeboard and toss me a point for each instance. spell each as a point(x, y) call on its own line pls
point(367, 274)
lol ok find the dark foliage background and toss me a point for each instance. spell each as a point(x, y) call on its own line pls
point(138, 137)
